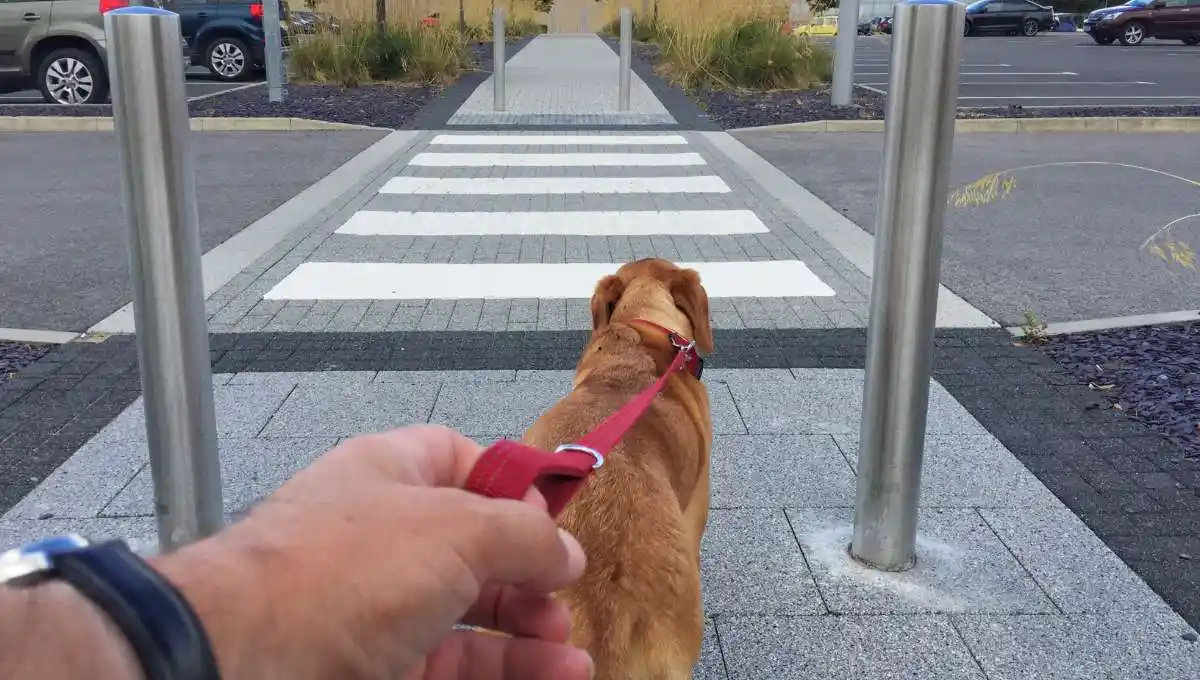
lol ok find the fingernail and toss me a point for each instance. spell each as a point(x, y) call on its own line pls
point(576, 560)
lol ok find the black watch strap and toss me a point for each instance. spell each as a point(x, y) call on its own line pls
point(163, 629)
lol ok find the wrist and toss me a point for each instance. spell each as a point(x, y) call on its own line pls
point(223, 589)
point(60, 633)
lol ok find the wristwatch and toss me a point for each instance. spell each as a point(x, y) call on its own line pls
point(162, 628)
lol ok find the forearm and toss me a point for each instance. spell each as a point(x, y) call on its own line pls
point(51, 632)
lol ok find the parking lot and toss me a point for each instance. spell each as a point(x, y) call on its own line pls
point(199, 85)
point(1056, 70)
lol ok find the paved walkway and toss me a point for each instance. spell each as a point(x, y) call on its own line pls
point(345, 327)
point(563, 79)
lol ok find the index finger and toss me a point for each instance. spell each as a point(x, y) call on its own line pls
point(438, 456)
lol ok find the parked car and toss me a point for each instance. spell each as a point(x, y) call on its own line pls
point(864, 28)
point(1137, 20)
point(57, 47)
point(1007, 16)
point(826, 25)
point(885, 25)
point(304, 21)
point(226, 36)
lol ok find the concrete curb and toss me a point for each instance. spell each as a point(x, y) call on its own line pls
point(1029, 125)
point(200, 124)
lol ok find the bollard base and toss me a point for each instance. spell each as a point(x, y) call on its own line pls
point(879, 567)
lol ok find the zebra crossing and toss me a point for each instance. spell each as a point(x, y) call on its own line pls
point(493, 167)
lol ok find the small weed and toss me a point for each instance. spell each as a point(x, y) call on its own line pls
point(1033, 330)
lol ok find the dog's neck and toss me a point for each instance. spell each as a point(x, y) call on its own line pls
point(624, 352)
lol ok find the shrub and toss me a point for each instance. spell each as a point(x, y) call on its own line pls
point(363, 52)
point(752, 53)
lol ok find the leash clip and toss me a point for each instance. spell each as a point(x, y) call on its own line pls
point(580, 448)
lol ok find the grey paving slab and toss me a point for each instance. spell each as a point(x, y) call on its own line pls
point(562, 80)
point(86, 482)
point(1070, 563)
point(250, 470)
point(711, 665)
point(241, 411)
point(1110, 646)
point(961, 567)
point(346, 410)
point(752, 565)
point(822, 403)
point(968, 470)
point(773, 471)
point(842, 647)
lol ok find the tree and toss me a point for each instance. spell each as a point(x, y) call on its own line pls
point(818, 6)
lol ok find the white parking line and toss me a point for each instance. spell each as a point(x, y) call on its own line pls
point(1001, 73)
point(1068, 96)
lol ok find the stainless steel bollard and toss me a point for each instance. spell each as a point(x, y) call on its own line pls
point(150, 118)
point(498, 59)
point(626, 59)
point(918, 141)
point(274, 51)
point(841, 91)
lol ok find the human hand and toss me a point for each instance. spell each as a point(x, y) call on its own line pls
point(359, 566)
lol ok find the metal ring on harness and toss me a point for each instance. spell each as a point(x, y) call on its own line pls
point(580, 448)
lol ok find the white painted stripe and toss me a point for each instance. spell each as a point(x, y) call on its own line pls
point(700, 184)
point(1089, 325)
point(36, 335)
point(561, 160)
point(1104, 97)
point(576, 223)
point(557, 140)
point(394, 281)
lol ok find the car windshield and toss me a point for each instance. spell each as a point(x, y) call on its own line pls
point(981, 3)
point(1137, 3)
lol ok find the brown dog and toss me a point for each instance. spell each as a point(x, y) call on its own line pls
point(640, 517)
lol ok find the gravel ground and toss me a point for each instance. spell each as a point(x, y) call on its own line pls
point(386, 106)
point(751, 109)
point(1151, 373)
point(17, 355)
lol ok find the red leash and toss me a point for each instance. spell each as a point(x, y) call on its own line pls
point(507, 468)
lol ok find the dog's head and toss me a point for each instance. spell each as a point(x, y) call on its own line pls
point(655, 290)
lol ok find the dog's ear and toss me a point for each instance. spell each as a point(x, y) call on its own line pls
point(604, 300)
point(691, 299)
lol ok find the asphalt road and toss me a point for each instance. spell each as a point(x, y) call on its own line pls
point(1065, 242)
point(64, 264)
point(1055, 69)
point(199, 84)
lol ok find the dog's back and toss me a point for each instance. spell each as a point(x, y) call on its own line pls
point(640, 518)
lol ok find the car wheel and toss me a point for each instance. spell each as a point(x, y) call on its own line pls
point(1191, 41)
point(228, 59)
point(1029, 28)
point(72, 76)
point(1133, 34)
point(1102, 41)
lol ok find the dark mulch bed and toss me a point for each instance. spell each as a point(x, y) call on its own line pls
point(752, 109)
point(387, 106)
point(1151, 373)
point(17, 355)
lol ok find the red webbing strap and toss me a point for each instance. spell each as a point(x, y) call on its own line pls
point(507, 468)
